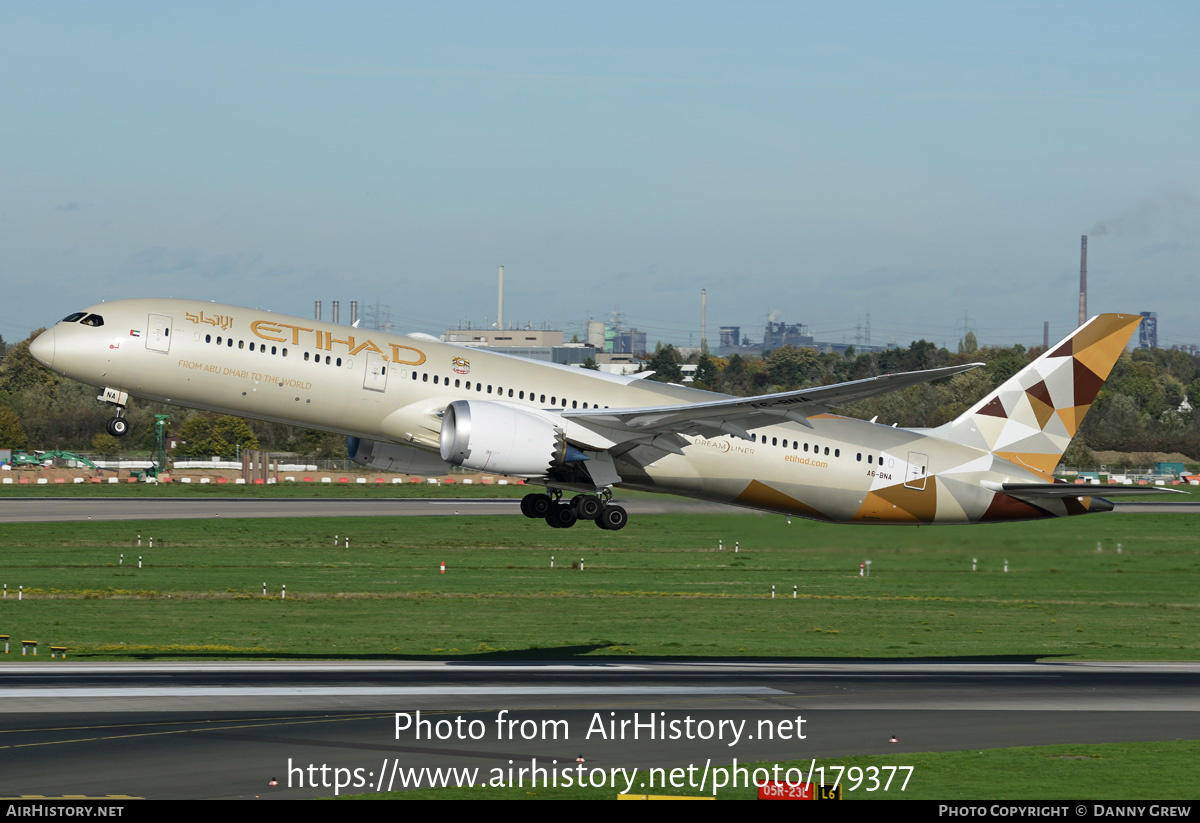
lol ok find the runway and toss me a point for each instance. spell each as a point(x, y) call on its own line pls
point(199, 730)
point(51, 509)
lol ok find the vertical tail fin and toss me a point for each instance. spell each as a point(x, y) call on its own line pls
point(1032, 417)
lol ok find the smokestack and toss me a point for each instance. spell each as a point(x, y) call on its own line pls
point(704, 321)
point(1046, 335)
point(1083, 280)
point(336, 312)
point(317, 316)
point(500, 307)
point(353, 312)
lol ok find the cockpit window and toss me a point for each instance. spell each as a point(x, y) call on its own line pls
point(71, 318)
point(93, 320)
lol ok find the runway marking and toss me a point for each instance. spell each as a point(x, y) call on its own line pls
point(242, 725)
point(68, 669)
point(300, 718)
point(382, 691)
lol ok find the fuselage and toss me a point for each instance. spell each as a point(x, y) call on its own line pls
point(368, 384)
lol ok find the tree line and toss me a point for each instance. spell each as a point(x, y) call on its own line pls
point(1140, 409)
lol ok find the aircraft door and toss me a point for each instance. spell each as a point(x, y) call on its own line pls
point(158, 332)
point(375, 378)
point(918, 470)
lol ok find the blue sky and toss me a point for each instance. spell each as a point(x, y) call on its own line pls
point(920, 162)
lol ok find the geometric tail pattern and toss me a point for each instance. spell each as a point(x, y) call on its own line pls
point(1032, 417)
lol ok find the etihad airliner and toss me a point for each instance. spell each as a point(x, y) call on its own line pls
point(417, 406)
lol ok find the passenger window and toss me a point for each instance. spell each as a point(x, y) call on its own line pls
point(242, 344)
point(305, 354)
point(208, 338)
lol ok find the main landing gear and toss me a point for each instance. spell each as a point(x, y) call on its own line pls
point(562, 514)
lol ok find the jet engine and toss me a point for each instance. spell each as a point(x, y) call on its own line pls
point(393, 458)
point(494, 437)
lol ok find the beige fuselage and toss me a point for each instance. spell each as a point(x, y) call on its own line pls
point(372, 385)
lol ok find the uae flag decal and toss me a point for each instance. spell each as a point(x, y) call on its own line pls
point(135, 332)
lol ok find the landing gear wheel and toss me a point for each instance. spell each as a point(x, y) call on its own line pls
point(587, 507)
point(118, 427)
point(612, 518)
point(562, 516)
point(536, 506)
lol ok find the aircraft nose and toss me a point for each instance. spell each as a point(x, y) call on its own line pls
point(42, 348)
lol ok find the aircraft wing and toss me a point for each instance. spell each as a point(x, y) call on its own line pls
point(1076, 490)
point(735, 415)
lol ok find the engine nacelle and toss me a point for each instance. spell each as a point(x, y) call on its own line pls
point(493, 437)
point(393, 458)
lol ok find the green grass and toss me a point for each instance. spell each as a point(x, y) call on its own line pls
point(369, 490)
point(1114, 771)
point(659, 588)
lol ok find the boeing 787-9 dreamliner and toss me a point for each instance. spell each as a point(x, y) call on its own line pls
point(422, 407)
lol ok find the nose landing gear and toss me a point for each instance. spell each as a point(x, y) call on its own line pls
point(117, 426)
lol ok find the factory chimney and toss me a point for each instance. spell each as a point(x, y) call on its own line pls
point(353, 312)
point(704, 321)
point(317, 310)
point(1046, 335)
point(1083, 280)
point(500, 307)
point(336, 312)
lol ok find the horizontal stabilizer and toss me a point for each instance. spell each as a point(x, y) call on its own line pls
point(1076, 490)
